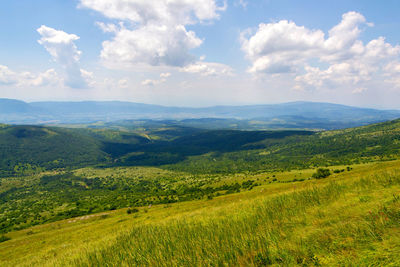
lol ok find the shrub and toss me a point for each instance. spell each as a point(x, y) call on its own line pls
point(321, 173)
point(262, 260)
point(133, 210)
point(4, 238)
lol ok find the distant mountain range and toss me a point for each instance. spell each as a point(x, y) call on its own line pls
point(310, 115)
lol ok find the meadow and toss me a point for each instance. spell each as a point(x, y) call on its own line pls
point(350, 218)
point(181, 196)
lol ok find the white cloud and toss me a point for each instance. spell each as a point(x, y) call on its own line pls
point(49, 77)
point(156, 34)
point(392, 74)
point(208, 69)
point(155, 45)
point(123, 83)
point(150, 82)
point(163, 79)
point(165, 75)
point(109, 27)
point(63, 50)
point(21, 79)
point(88, 78)
point(345, 34)
point(7, 77)
point(157, 12)
point(280, 47)
point(284, 47)
point(340, 73)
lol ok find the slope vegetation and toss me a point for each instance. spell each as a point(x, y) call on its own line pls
point(25, 149)
point(348, 219)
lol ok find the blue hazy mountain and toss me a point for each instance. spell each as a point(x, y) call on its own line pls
point(12, 106)
point(287, 115)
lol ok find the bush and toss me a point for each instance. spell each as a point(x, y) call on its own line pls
point(321, 173)
point(133, 210)
point(262, 260)
point(4, 238)
point(338, 171)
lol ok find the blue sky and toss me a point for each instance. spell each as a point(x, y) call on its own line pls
point(201, 52)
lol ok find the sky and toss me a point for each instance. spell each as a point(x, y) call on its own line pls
point(201, 52)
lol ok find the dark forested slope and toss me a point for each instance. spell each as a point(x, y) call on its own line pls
point(26, 148)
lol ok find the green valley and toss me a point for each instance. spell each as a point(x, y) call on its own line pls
point(240, 193)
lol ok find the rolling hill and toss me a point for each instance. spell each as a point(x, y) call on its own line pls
point(103, 196)
point(26, 148)
point(303, 115)
point(169, 164)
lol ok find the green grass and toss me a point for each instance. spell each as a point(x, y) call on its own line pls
point(348, 219)
point(53, 196)
point(275, 231)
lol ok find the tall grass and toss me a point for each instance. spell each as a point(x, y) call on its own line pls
point(316, 226)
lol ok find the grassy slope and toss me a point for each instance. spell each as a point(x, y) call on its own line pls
point(351, 218)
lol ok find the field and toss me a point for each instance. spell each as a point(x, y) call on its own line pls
point(169, 195)
point(350, 218)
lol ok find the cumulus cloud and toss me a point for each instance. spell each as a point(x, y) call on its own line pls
point(108, 27)
point(208, 69)
point(163, 79)
point(165, 75)
point(149, 82)
point(392, 74)
point(49, 77)
point(155, 45)
point(156, 34)
point(280, 47)
point(9, 77)
point(63, 50)
point(123, 83)
point(158, 12)
point(284, 47)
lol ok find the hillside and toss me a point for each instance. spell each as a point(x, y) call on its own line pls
point(27, 149)
point(181, 182)
point(348, 219)
point(354, 145)
point(149, 166)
